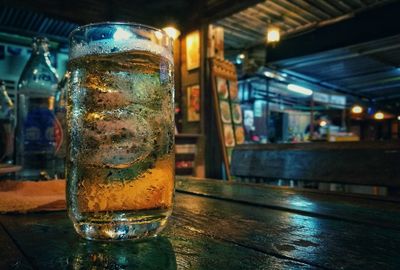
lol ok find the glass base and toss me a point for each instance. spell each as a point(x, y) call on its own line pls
point(120, 230)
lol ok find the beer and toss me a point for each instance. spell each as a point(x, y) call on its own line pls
point(120, 160)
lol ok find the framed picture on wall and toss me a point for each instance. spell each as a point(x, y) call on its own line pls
point(193, 50)
point(193, 103)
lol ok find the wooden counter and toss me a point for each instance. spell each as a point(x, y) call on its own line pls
point(359, 163)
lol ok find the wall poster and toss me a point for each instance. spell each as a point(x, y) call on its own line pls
point(193, 103)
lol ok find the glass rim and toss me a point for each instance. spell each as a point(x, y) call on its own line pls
point(110, 23)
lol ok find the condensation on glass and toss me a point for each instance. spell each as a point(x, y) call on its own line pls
point(120, 119)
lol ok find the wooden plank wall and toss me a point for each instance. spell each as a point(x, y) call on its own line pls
point(186, 79)
point(360, 163)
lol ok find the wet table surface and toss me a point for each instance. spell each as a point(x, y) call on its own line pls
point(216, 225)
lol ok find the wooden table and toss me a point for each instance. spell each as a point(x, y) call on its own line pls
point(216, 225)
point(7, 168)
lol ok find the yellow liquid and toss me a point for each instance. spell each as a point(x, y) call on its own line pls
point(120, 162)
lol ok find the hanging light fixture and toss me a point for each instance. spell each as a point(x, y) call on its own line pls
point(299, 89)
point(273, 34)
point(356, 109)
point(379, 115)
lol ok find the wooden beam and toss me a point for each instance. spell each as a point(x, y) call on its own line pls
point(157, 13)
point(226, 8)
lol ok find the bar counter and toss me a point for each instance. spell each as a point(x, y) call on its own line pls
point(221, 225)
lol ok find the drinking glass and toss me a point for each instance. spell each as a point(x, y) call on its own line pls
point(120, 131)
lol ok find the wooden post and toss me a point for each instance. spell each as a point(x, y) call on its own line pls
point(312, 119)
point(267, 106)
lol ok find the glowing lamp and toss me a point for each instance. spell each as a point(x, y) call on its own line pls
point(299, 89)
point(379, 116)
point(356, 109)
point(273, 35)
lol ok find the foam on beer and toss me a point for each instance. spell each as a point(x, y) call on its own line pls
point(109, 46)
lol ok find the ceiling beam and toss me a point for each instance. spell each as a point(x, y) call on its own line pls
point(353, 52)
point(373, 24)
point(225, 8)
point(157, 12)
point(324, 84)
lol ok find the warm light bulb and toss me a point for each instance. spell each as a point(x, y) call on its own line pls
point(172, 32)
point(379, 116)
point(273, 35)
point(323, 123)
point(357, 109)
point(398, 117)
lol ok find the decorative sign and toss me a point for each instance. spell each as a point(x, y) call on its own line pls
point(225, 111)
point(237, 113)
point(193, 50)
point(229, 136)
point(193, 103)
point(227, 108)
point(222, 88)
point(336, 101)
point(258, 107)
point(239, 134)
point(321, 97)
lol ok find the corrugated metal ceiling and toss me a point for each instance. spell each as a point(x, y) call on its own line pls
point(371, 69)
point(31, 23)
point(248, 27)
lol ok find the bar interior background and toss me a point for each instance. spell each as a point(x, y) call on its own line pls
point(345, 52)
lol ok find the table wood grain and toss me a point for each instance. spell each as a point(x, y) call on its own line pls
point(217, 231)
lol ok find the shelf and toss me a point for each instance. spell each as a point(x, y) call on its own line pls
point(188, 135)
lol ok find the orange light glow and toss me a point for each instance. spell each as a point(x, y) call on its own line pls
point(379, 116)
point(357, 109)
point(273, 35)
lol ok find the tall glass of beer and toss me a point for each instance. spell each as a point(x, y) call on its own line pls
point(120, 131)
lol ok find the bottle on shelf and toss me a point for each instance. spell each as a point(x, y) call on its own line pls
point(60, 125)
point(35, 140)
point(7, 125)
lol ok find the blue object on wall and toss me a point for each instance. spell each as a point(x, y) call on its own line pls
point(13, 51)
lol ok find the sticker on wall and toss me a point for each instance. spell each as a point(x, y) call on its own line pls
point(222, 88)
point(233, 90)
point(239, 134)
point(193, 103)
point(236, 113)
point(225, 111)
point(228, 136)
